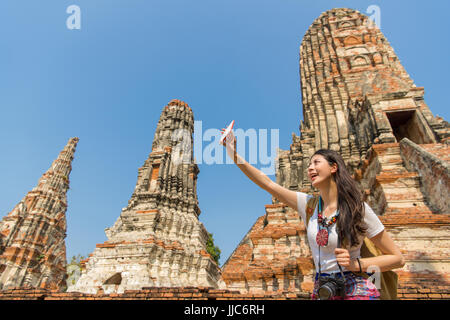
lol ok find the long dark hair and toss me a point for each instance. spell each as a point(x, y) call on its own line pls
point(350, 224)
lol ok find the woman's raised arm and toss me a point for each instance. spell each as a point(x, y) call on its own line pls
point(284, 195)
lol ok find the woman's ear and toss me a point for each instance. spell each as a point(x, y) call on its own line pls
point(334, 168)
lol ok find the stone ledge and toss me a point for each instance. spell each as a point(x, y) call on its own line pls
point(410, 219)
point(150, 293)
point(407, 292)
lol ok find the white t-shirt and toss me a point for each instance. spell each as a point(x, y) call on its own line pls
point(327, 256)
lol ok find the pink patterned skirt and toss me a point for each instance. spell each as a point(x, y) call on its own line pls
point(356, 288)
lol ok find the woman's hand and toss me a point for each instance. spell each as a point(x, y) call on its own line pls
point(230, 137)
point(224, 140)
point(343, 258)
point(230, 145)
point(281, 193)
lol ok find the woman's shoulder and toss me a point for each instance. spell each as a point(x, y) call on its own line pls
point(372, 220)
point(305, 198)
point(302, 202)
point(304, 195)
point(368, 209)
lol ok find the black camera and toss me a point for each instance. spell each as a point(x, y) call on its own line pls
point(331, 286)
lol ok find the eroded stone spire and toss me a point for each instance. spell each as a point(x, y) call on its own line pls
point(157, 239)
point(32, 247)
point(169, 175)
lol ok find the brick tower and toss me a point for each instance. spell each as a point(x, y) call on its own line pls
point(358, 100)
point(157, 241)
point(32, 247)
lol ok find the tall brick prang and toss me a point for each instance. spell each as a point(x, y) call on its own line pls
point(32, 247)
point(358, 100)
point(157, 241)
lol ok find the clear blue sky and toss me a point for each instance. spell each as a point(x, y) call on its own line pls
point(108, 82)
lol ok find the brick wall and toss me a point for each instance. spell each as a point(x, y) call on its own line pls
point(412, 291)
point(434, 172)
point(153, 293)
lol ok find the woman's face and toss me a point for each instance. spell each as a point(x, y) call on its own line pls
point(320, 171)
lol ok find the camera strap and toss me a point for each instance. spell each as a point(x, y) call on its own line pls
point(340, 268)
point(338, 244)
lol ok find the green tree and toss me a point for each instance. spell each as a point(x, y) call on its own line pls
point(73, 270)
point(213, 250)
point(76, 260)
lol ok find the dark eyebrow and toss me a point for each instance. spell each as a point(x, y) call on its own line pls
point(311, 161)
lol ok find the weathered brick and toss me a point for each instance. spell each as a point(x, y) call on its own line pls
point(38, 226)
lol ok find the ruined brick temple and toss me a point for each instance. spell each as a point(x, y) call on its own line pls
point(157, 241)
point(32, 247)
point(357, 99)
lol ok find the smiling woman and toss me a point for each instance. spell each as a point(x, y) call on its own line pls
point(340, 218)
point(339, 191)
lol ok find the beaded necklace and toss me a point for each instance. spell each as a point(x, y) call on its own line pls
point(324, 225)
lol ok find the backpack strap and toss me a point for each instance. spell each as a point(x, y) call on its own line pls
point(311, 205)
point(388, 279)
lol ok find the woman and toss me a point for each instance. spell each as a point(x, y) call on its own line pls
point(343, 213)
